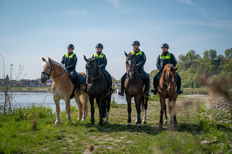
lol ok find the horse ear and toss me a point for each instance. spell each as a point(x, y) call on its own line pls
point(176, 68)
point(125, 53)
point(43, 59)
point(85, 59)
point(49, 60)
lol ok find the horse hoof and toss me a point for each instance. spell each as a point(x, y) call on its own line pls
point(128, 125)
point(139, 126)
point(165, 122)
point(144, 122)
point(57, 122)
point(160, 127)
point(136, 123)
point(92, 123)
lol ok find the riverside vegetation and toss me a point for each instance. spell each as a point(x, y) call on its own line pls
point(204, 126)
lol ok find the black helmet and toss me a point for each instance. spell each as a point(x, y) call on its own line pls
point(71, 46)
point(99, 45)
point(136, 43)
point(165, 45)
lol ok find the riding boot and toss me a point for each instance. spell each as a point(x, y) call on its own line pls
point(147, 87)
point(155, 85)
point(121, 92)
point(110, 84)
point(84, 90)
point(178, 82)
point(77, 85)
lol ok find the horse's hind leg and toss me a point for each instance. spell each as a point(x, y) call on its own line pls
point(80, 107)
point(144, 101)
point(68, 111)
point(101, 109)
point(108, 100)
point(128, 99)
point(138, 102)
point(165, 114)
point(162, 102)
point(57, 102)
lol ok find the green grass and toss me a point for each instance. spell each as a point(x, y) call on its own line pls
point(19, 135)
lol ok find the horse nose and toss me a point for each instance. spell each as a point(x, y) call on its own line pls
point(43, 80)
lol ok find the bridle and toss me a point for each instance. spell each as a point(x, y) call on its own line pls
point(48, 75)
point(130, 71)
point(166, 78)
point(92, 77)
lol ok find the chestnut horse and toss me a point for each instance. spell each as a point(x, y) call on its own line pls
point(62, 88)
point(134, 87)
point(167, 89)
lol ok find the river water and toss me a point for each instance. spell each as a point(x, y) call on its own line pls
point(24, 99)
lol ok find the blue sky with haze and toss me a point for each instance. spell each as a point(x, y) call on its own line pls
point(31, 29)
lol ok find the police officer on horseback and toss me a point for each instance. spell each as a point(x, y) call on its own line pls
point(163, 59)
point(102, 62)
point(70, 60)
point(140, 60)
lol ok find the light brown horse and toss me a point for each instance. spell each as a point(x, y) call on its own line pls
point(62, 88)
point(167, 89)
point(134, 87)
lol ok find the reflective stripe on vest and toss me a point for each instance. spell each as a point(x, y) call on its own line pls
point(69, 56)
point(168, 56)
point(138, 53)
point(100, 56)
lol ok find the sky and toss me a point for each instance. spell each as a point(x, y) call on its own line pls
point(32, 29)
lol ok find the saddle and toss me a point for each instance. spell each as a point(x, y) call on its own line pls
point(77, 79)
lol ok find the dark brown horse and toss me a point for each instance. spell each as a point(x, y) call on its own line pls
point(167, 89)
point(134, 87)
point(97, 87)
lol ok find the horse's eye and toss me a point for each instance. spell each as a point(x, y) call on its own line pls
point(49, 67)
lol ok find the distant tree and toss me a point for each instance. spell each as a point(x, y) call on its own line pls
point(182, 58)
point(212, 54)
point(191, 55)
point(228, 53)
point(206, 55)
point(220, 57)
point(197, 57)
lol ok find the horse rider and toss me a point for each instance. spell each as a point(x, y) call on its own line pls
point(70, 60)
point(163, 59)
point(102, 62)
point(140, 60)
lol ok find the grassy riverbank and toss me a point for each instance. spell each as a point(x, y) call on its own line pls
point(201, 129)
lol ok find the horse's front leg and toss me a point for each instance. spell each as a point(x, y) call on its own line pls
point(57, 102)
point(138, 103)
point(67, 102)
point(91, 100)
point(101, 110)
point(165, 114)
point(162, 102)
point(172, 111)
point(128, 99)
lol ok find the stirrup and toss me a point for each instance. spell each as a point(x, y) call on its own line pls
point(121, 93)
point(84, 90)
point(77, 90)
point(153, 91)
point(147, 94)
point(180, 92)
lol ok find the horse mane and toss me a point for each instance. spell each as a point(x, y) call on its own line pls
point(58, 64)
